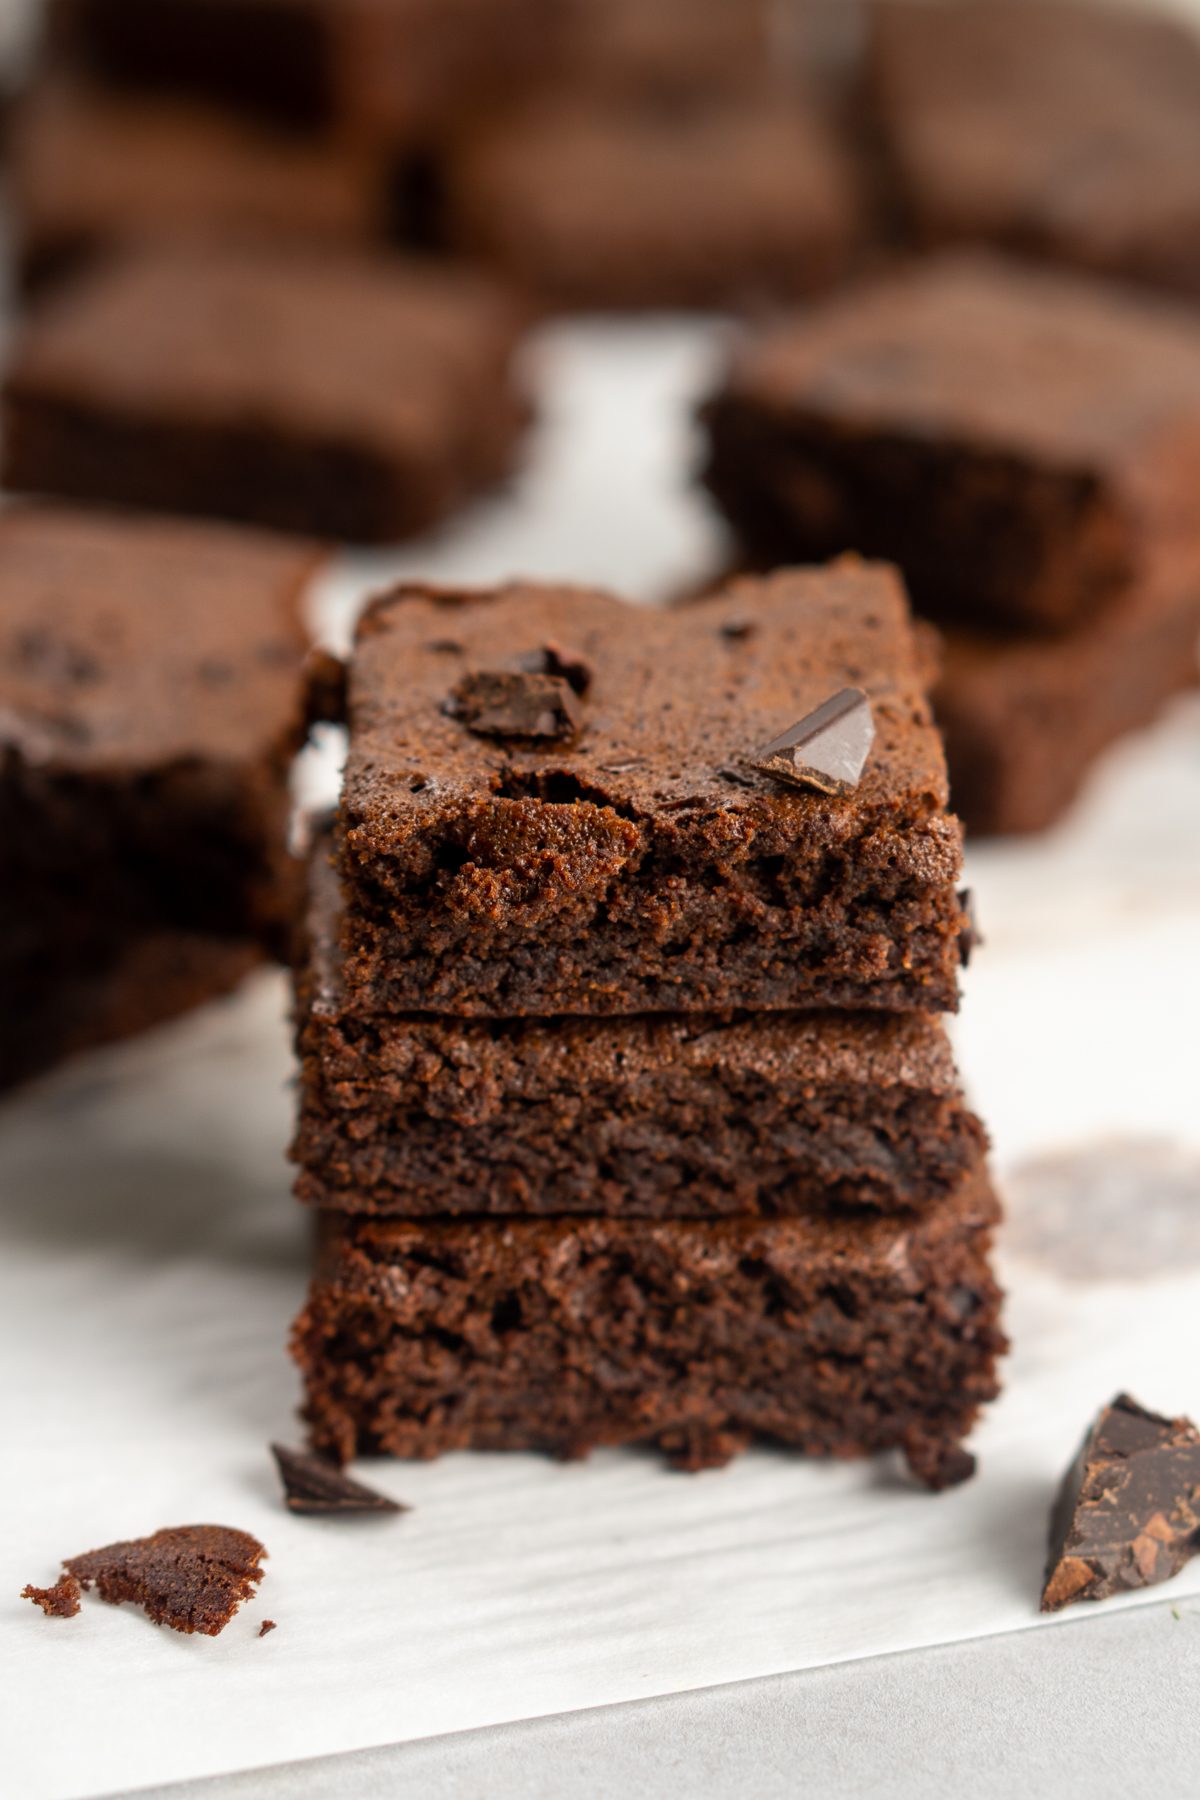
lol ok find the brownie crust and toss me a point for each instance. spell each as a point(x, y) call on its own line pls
point(644, 867)
point(332, 395)
point(562, 1335)
point(1016, 440)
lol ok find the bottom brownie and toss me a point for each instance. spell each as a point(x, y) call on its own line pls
point(834, 1337)
point(1025, 717)
point(150, 980)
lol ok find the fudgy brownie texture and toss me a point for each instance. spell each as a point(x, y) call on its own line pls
point(619, 203)
point(833, 1337)
point(1017, 441)
point(1025, 717)
point(1067, 131)
point(644, 867)
point(348, 397)
point(190, 1577)
point(651, 1116)
point(152, 695)
point(90, 170)
point(383, 69)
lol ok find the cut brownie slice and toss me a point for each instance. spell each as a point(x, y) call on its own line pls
point(644, 865)
point(1024, 718)
point(152, 695)
point(90, 170)
point(1067, 130)
point(834, 1338)
point(1018, 441)
point(353, 398)
point(667, 53)
point(624, 204)
point(649, 1116)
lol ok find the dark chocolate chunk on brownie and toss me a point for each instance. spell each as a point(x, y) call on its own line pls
point(1018, 441)
point(693, 1116)
point(646, 866)
point(618, 203)
point(152, 695)
point(90, 171)
point(190, 1577)
point(348, 397)
point(1066, 130)
point(1128, 1512)
point(834, 1338)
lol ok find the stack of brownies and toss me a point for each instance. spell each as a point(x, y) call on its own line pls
point(624, 1098)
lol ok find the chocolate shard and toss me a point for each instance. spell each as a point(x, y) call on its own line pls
point(517, 704)
point(267, 1625)
point(58, 1602)
point(1128, 1512)
point(827, 749)
point(190, 1577)
point(970, 938)
point(554, 659)
point(312, 1485)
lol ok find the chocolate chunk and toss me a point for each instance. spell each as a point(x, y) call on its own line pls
point(267, 1625)
point(58, 1602)
point(312, 1485)
point(190, 1577)
point(325, 676)
point(1128, 1512)
point(827, 749)
point(553, 659)
point(517, 704)
point(970, 938)
point(936, 1464)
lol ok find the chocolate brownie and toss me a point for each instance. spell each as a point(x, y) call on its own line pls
point(644, 865)
point(1025, 717)
point(152, 694)
point(89, 170)
point(353, 398)
point(611, 203)
point(370, 66)
point(1018, 441)
point(665, 52)
point(649, 1116)
point(834, 1337)
point(1062, 130)
point(188, 1577)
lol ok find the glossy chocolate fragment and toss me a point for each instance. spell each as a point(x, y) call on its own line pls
point(517, 704)
point(317, 1487)
point(1128, 1512)
point(827, 749)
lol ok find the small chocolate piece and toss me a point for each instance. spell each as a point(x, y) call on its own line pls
point(267, 1625)
point(936, 1464)
point(554, 659)
point(517, 704)
point(58, 1602)
point(313, 1485)
point(827, 750)
point(970, 938)
point(190, 1577)
point(1128, 1512)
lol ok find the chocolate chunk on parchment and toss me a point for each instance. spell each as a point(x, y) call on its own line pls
point(313, 1485)
point(517, 704)
point(58, 1602)
point(1128, 1512)
point(827, 749)
point(267, 1625)
point(190, 1577)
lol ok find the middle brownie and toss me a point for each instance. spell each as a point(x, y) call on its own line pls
point(689, 1116)
point(601, 840)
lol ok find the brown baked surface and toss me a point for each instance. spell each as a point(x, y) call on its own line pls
point(833, 1337)
point(337, 395)
point(645, 867)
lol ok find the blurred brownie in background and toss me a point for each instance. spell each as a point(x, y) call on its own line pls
point(1066, 130)
point(665, 50)
point(616, 202)
point(152, 696)
point(90, 169)
point(332, 395)
point(1026, 446)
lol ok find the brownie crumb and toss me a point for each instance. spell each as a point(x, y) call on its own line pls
point(938, 1465)
point(313, 1485)
point(58, 1602)
point(267, 1625)
point(190, 1577)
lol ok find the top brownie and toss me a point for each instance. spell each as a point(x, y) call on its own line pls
point(629, 858)
point(1068, 130)
point(1017, 440)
